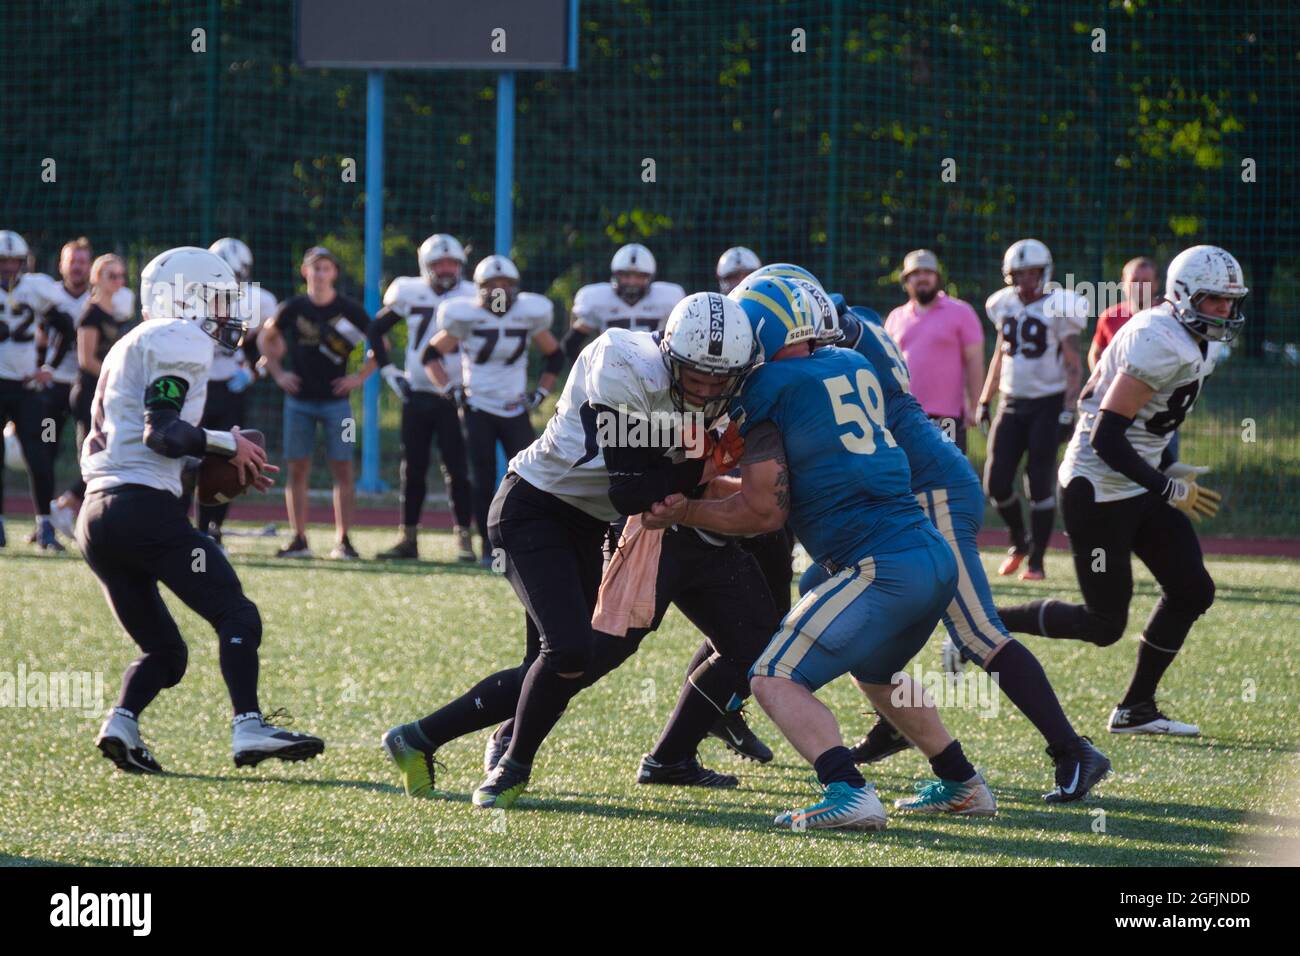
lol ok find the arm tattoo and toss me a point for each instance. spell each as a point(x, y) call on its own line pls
point(783, 486)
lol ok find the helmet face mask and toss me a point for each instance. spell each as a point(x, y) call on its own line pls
point(13, 256)
point(1197, 274)
point(709, 349)
point(631, 272)
point(433, 251)
point(11, 267)
point(631, 287)
point(195, 285)
point(1024, 254)
point(444, 274)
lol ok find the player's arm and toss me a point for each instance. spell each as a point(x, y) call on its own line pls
point(441, 344)
point(552, 365)
point(990, 382)
point(169, 435)
point(972, 357)
point(65, 334)
point(1073, 370)
point(580, 327)
point(640, 476)
point(385, 320)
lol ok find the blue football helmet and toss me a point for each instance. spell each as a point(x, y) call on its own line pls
point(781, 270)
point(781, 312)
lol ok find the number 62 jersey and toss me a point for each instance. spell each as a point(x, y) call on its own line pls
point(1154, 348)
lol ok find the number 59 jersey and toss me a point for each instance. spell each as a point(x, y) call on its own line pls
point(1032, 361)
point(1154, 348)
point(850, 486)
point(494, 349)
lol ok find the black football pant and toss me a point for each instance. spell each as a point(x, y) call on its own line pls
point(1026, 426)
point(773, 553)
point(427, 418)
point(26, 409)
point(82, 397)
point(135, 538)
point(222, 411)
point(482, 432)
point(56, 409)
point(1103, 538)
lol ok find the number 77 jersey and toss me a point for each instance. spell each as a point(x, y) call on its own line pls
point(1156, 349)
point(850, 487)
point(494, 349)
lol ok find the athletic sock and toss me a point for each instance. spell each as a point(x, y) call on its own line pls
point(951, 764)
point(836, 766)
point(490, 701)
point(542, 699)
point(1023, 680)
point(1041, 521)
point(144, 680)
point(1012, 517)
point(689, 724)
point(1047, 618)
point(1152, 663)
point(239, 668)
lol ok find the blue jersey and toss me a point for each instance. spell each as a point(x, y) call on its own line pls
point(850, 488)
point(935, 461)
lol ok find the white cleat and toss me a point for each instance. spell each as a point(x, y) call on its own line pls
point(842, 807)
point(254, 740)
point(1146, 718)
point(119, 741)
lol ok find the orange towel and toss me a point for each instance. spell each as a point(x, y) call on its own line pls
point(627, 591)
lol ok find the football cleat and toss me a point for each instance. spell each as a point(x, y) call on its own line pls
point(464, 546)
point(881, 741)
point(46, 539)
point(63, 518)
point(119, 741)
point(495, 749)
point(842, 807)
point(683, 773)
point(1011, 563)
point(969, 799)
point(733, 731)
point(343, 551)
point(1033, 574)
point(1146, 718)
point(253, 739)
point(297, 548)
point(417, 766)
point(1079, 768)
point(406, 549)
point(503, 786)
point(953, 657)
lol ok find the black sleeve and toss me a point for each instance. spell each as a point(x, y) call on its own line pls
point(65, 334)
point(165, 432)
point(572, 343)
point(358, 315)
point(385, 319)
point(553, 362)
point(1112, 447)
point(638, 477)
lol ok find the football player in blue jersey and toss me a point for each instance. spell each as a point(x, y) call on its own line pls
point(948, 489)
point(818, 454)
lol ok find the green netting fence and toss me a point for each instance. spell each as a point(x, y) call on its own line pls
point(834, 134)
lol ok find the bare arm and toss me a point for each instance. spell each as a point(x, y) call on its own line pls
point(1073, 370)
point(761, 504)
point(550, 347)
point(87, 343)
point(441, 343)
point(995, 372)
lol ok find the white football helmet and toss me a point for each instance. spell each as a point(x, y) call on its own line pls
point(13, 246)
point(192, 283)
point(237, 255)
point(708, 333)
point(734, 264)
point(633, 257)
point(1027, 254)
point(440, 246)
point(1201, 271)
point(497, 267)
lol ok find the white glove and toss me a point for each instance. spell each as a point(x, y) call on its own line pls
point(1181, 469)
point(396, 380)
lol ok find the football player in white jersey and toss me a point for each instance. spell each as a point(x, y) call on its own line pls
point(631, 299)
point(493, 331)
point(22, 378)
point(1037, 369)
point(233, 370)
point(429, 411)
point(133, 528)
point(734, 265)
point(551, 517)
point(1115, 499)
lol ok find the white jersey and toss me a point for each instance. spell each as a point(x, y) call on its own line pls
point(412, 298)
point(1154, 348)
point(53, 294)
point(256, 305)
point(622, 370)
point(1033, 363)
point(114, 452)
point(494, 349)
point(598, 307)
point(19, 308)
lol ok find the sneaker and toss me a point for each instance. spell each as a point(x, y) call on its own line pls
point(406, 549)
point(1079, 767)
point(1032, 573)
point(63, 518)
point(971, 798)
point(1011, 563)
point(343, 551)
point(881, 741)
point(1146, 718)
point(733, 731)
point(464, 546)
point(417, 766)
point(297, 548)
point(119, 741)
point(683, 773)
point(254, 737)
point(503, 786)
point(842, 807)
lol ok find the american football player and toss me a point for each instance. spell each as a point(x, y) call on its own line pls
point(429, 411)
point(1118, 503)
point(133, 528)
point(631, 299)
point(1037, 369)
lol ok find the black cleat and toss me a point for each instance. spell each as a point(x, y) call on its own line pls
point(733, 731)
point(1079, 768)
point(881, 741)
point(684, 773)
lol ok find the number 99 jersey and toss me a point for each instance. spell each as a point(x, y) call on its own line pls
point(1154, 348)
point(850, 486)
point(1032, 362)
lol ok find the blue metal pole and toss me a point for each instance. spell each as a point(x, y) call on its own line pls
point(370, 480)
point(505, 207)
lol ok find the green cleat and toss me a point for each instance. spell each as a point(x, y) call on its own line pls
point(414, 763)
point(969, 799)
point(503, 786)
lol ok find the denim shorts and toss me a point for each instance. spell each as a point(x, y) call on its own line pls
point(300, 419)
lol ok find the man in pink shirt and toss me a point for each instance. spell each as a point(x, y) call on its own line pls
point(943, 344)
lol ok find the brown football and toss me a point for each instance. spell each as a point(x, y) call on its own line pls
point(219, 480)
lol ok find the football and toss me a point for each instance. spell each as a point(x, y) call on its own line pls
point(219, 480)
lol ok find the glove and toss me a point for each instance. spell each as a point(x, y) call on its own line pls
point(728, 449)
point(1193, 500)
point(1064, 427)
point(240, 380)
point(536, 397)
point(396, 380)
point(457, 394)
point(984, 418)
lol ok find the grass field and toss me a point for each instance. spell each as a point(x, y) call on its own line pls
point(352, 649)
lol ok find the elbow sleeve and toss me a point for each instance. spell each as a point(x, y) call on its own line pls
point(1112, 446)
point(553, 363)
point(168, 435)
point(572, 343)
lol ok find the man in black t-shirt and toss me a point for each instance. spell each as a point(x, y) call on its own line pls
point(317, 333)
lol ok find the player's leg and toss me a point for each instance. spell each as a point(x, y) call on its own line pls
point(63, 512)
point(455, 473)
point(32, 414)
point(480, 439)
point(772, 551)
point(340, 445)
point(299, 439)
point(417, 432)
point(1167, 544)
point(1008, 440)
point(1040, 473)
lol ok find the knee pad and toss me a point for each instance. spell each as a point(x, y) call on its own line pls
point(1104, 631)
point(244, 623)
